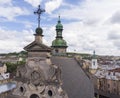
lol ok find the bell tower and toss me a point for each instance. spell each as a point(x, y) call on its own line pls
point(94, 64)
point(59, 45)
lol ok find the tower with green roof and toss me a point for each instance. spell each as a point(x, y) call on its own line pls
point(59, 45)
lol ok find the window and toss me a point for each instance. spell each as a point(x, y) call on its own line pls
point(108, 85)
point(50, 93)
point(21, 89)
point(34, 96)
point(93, 62)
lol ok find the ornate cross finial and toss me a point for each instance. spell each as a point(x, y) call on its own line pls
point(39, 12)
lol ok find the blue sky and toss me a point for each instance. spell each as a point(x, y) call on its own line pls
point(88, 24)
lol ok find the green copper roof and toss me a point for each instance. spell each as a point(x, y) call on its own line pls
point(59, 25)
point(59, 43)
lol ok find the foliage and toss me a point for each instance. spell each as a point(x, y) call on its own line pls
point(83, 55)
point(11, 67)
point(17, 54)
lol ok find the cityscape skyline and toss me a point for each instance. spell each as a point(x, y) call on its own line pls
point(92, 24)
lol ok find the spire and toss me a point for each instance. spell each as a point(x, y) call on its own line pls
point(59, 19)
point(94, 55)
point(59, 28)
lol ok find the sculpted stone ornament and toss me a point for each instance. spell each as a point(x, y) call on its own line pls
point(45, 82)
point(37, 78)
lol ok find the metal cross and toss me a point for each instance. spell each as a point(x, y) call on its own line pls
point(39, 12)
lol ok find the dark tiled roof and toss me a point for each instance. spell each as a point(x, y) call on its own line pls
point(115, 70)
point(75, 81)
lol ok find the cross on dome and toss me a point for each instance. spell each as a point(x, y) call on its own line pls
point(39, 12)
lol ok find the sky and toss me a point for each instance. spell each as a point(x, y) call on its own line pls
point(88, 24)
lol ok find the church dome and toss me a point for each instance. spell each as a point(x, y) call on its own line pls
point(39, 31)
point(59, 26)
point(59, 43)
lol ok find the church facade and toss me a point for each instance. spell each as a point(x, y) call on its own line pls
point(38, 78)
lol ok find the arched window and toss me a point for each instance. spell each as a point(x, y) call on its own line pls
point(34, 96)
point(50, 93)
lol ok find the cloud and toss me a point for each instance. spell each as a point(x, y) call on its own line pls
point(114, 35)
point(11, 40)
point(9, 11)
point(115, 18)
point(96, 26)
point(52, 5)
point(92, 28)
point(34, 3)
point(2, 2)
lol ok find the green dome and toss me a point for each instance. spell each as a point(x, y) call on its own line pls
point(59, 26)
point(59, 43)
point(39, 31)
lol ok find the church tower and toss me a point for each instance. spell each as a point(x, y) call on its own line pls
point(94, 65)
point(59, 45)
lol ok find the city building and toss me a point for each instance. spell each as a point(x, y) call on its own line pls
point(3, 68)
point(107, 83)
point(3, 75)
point(94, 64)
point(5, 84)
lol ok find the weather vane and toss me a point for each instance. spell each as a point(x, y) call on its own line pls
point(39, 12)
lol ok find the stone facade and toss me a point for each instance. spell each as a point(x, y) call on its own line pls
point(38, 78)
point(3, 68)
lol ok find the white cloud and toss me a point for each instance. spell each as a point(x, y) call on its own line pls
point(52, 5)
point(11, 41)
point(93, 26)
point(96, 26)
point(5, 2)
point(10, 11)
point(34, 3)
